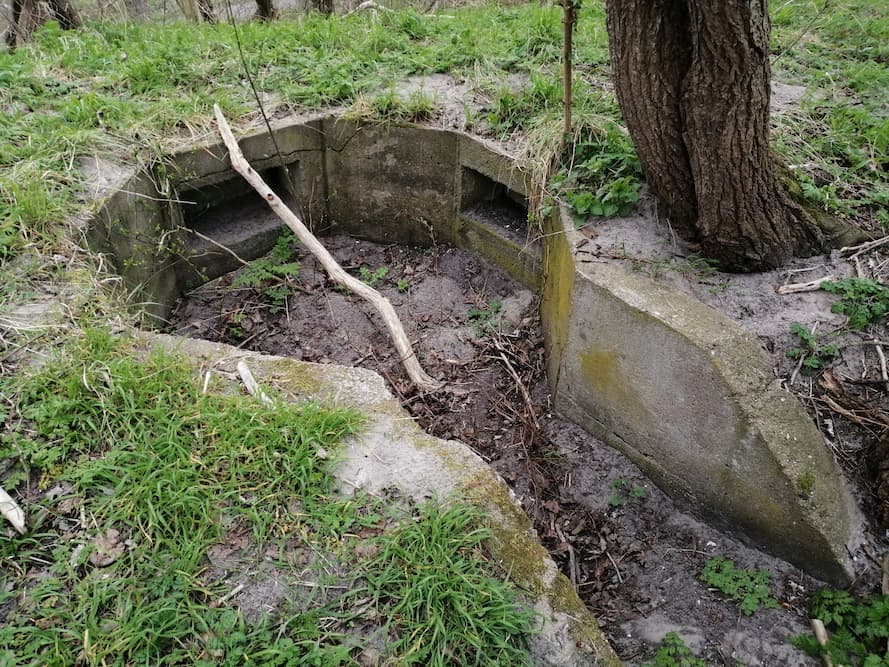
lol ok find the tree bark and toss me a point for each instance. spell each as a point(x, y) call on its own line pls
point(28, 15)
point(323, 6)
point(64, 12)
point(693, 81)
point(265, 10)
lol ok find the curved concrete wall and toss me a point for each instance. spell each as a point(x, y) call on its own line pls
point(390, 184)
point(679, 388)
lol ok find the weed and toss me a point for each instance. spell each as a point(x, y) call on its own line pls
point(806, 484)
point(625, 490)
point(403, 285)
point(749, 587)
point(602, 175)
point(815, 355)
point(272, 273)
point(864, 301)
point(483, 316)
point(858, 629)
point(674, 653)
point(371, 278)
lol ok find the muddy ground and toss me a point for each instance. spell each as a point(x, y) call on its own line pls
point(633, 555)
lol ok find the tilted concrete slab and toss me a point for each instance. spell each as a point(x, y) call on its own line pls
point(391, 451)
point(690, 397)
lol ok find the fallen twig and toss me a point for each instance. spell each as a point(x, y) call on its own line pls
point(821, 635)
point(252, 385)
point(417, 375)
point(811, 286)
point(12, 512)
point(884, 373)
point(864, 247)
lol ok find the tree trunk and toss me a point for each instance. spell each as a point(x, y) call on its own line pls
point(206, 10)
point(64, 12)
point(137, 9)
point(323, 6)
point(693, 81)
point(265, 10)
point(28, 15)
point(15, 21)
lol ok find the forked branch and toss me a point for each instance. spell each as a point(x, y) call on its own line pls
point(417, 375)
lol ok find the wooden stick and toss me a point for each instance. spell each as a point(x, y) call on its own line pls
point(13, 513)
point(423, 381)
point(252, 385)
point(821, 635)
point(864, 247)
point(811, 286)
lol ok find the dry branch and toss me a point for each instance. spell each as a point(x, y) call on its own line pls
point(13, 513)
point(811, 286)
point(423, 381)
point(820, 633)
point(864, 247)
point(252, 385)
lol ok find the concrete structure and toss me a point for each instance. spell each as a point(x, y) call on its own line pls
point(392, 452)
point(690, 397)
point(676, 386)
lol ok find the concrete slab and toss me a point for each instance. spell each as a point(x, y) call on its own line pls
point(392, 452)
point(689, 396)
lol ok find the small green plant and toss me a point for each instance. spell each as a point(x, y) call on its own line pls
point(403, 285)
point(601, 176)
point(674, 653)
point(749, 587)
point(272, 273)
point(371, 278)
point(815, 355)
point(858, 629)
point(233, 325)
point(863, 300)
point(483, 316)
point(806, 484)
point(625, 490)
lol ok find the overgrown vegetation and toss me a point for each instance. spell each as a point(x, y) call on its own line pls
point(145, 475)
point(674, 653)
point(863, 300)
point(812, 353)
point(838, 138)
point(272, 274)
point(751, 588)
point(858, 629)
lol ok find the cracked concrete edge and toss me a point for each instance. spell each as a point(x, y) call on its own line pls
point(690, 396)
point(391, 451)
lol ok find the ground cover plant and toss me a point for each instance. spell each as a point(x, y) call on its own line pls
point(858, 629)
point(750, 588)
point(147, 476)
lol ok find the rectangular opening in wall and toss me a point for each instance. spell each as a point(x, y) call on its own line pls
point(485, 200)
point(230, 218)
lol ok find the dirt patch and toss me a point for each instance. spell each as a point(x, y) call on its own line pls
point(632, 554)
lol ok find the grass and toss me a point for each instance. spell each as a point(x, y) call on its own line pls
point(839, 136)
point(146, 475)
point(131, 91)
